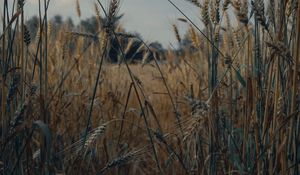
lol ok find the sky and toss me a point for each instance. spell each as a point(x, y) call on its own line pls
point(153, 19)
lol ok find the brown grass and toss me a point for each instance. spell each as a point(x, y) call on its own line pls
point(227, 103)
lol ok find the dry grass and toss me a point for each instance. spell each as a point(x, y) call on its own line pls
point(227, 103)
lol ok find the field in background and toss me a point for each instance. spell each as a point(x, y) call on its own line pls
point(95, 99)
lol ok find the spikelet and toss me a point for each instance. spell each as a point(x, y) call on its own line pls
point(259, 11)
point(195, 2)
point(112, 12)
point(193, 127)
point(120, 160)
point(27, 38)
point(80, 44)
point(227, 42)
point(76, 147)
point(182, 20)
point(242, 11)
point(280, 106)
point(91, 139)
point(176, 32)
point(215, 12)
point(50, 28)
point(97, 11)
point(236, 4)
point(217, 5)
point(279, 48)
point(288, 8)
point(38, 34)
point(36, 154)
point(113, 9)
point(205, 13)
point(98, 16)
point(194, 37)
point(94, 135)
point(280, 115)
point(217, 33)
point(65, 45)
point(257, 51)
point(78, 11)
point(227, 20)
point(199, 110)
point(237, 38)
point(226, 4)
point(103, 39)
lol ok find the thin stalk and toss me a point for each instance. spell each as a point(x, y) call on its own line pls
point(295, 89)
point(41, 65)
point(22, 55)
point(124, 112)
point(266, 121)
point(247, 104)
point(47, 119)
point(274, 119)
point(38, 45)
point(3, 92)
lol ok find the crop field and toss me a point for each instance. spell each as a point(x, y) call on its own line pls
point(94, 98)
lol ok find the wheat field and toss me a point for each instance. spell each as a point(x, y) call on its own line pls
point(101, 100)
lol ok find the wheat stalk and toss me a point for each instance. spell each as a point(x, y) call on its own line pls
point(78, 11)
point(205, 13)
point(113, 9)
point(94, 135)
point(120, 160)
point(98, 15)
point(259, 10)
point(242, 11)
point(194, 37)
point(26, 37)
point(176, 32)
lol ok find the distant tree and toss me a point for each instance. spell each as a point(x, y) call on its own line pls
point(89, 25)
point(56, 22)
point(57, 19)
point(32, 25)
point(70, 23)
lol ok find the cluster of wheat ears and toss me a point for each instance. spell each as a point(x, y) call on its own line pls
point(226, 103)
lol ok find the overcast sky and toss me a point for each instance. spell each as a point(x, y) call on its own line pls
point(153, 19)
